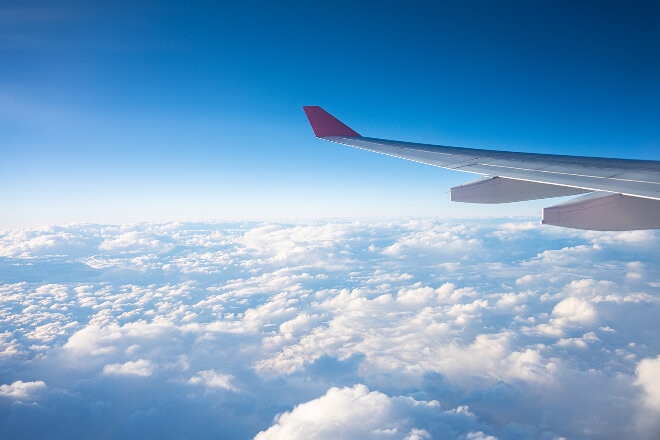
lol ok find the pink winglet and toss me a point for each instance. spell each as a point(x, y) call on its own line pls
point(324, 124)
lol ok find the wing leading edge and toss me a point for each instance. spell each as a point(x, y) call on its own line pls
point(619, 194)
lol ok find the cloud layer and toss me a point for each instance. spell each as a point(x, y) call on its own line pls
point(406, 328)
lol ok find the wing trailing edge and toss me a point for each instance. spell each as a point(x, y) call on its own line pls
point(623, 194)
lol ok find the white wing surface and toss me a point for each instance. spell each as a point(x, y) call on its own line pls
point(621, 194)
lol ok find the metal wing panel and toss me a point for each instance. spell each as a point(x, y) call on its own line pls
point(631, 177)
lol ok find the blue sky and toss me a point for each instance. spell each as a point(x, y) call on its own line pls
point(136, 111)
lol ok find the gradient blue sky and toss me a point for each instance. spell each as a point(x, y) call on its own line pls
point(139, 111)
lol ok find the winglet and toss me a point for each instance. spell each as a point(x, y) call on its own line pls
point(324, 124)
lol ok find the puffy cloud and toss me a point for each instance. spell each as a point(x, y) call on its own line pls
point(8, 345)
point(578, 342)
point(141, 368)
point(573, 311)
point(485, 329)
point(213, 379)
point(479, 436)
point(22, 391)
point(347, 413)
point(570, 313)
point(357, 413)
point(566, 256)
point(310, 245)
point(638, 238)
point(31, 243)
point(648, 378)
point(435, 240)
point(141, 239)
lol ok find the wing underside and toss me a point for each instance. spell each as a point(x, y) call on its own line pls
point(619, 194)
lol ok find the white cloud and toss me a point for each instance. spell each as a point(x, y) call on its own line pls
point(418, 434)
point(9, 346)
point(479, 436)
point(141, 368)
point(573, 311)
point(22, 391)
point(643, 237)
point(522, 323)
point(357, 413)
point(566, 256)
point(581, 342)
point(213, 379)
point(569, 313)
point(133, 242)
point(309, 245)
point(648, 378)
point(433, 239)
point(30, 243)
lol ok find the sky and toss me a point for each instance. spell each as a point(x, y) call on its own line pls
point(181, 258)
point(139, 111)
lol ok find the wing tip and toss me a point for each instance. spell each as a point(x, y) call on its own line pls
point(324, 124)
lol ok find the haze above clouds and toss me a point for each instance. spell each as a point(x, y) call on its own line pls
point(356, 329)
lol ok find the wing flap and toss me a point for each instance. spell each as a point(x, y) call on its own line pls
point(502, 190)
point(605, 212)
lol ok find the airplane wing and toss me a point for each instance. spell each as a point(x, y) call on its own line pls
point(618, 194)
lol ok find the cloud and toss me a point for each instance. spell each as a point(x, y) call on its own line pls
point(573, 311)
point(474, 330)
point(479, 436)
point(434, 240)
point(648, 379)
point(310, 245)
point(140, 368)
point(8, 345)
point(31, 243)
point(22, 391)
point(639, 238)
point(135, 242)
point(566, 256)
point(213, 379)
point(358, 413)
